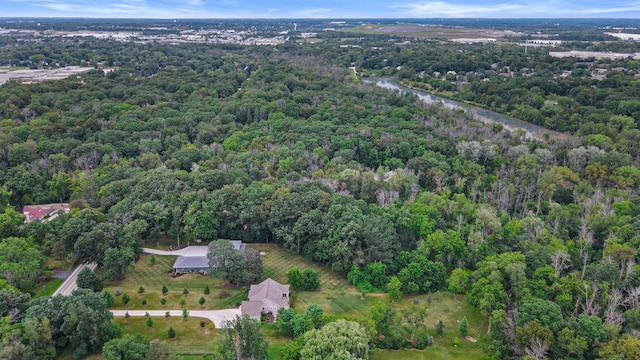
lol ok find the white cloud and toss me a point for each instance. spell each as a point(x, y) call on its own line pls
point(312, 13)
point(449, 9)
point(619, 9)
point(517, 9)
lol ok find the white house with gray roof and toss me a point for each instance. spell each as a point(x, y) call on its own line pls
point(267, 297)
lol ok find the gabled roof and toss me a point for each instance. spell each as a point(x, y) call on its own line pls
point(252, 308)
point(270, 290)
point(191, 262)
point(33, 212)
point(195, 257)
point(39, 212)
point(238, 244)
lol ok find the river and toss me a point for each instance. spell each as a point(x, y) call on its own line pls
point(481, 114)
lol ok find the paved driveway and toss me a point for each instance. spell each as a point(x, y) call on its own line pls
point(71, 282)
point(188, 251)
point(216, 316)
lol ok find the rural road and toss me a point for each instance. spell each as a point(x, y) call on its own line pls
point(216, 316)
point(70, 283)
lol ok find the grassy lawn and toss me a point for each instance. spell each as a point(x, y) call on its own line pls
point(449, 308)
point(276, 340)
point(190, 337)
point(152, 277)
point(335, 295)
point(48, 288)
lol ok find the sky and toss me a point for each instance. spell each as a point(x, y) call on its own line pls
point(176, 9)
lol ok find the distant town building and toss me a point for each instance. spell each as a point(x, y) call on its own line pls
point(625, 36)
point(544, 42)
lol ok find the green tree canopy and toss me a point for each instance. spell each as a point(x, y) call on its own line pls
point(341, 339)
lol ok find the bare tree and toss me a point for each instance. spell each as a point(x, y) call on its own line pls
point(611, 313)
point(591, 306)
point(537, 349)
point(633, 298)
point(560, 261)
point(586, 240)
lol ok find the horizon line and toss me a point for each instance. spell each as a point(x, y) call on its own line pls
point(314, 18)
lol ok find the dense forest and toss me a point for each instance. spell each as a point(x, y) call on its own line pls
point(285, 145)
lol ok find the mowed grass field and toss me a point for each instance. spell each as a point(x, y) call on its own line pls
point(335, 296)
point(191, 338)
point(152, 277)
point(449, 308)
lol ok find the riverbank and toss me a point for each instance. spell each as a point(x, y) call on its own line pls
point(532, 131)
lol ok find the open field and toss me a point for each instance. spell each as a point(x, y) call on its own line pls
point(430, 32)
point(38, 75)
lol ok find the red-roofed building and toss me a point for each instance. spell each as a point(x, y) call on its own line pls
point(43, 213)
point(33, 213)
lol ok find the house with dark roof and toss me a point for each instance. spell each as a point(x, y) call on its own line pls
point(267, 297)
point(196, 260)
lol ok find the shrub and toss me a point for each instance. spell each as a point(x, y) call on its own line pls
point(305, 280)
point(125, 299)
point(117, 292)
point(440, 328)
point(171, 333)
point(165, 290)
point(310, 280)
point(206, 290)
point(109, 300)
point(463, 327)
point(294, 277)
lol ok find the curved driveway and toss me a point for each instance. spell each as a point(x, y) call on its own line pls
point(188, 251)
point(216, 316)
